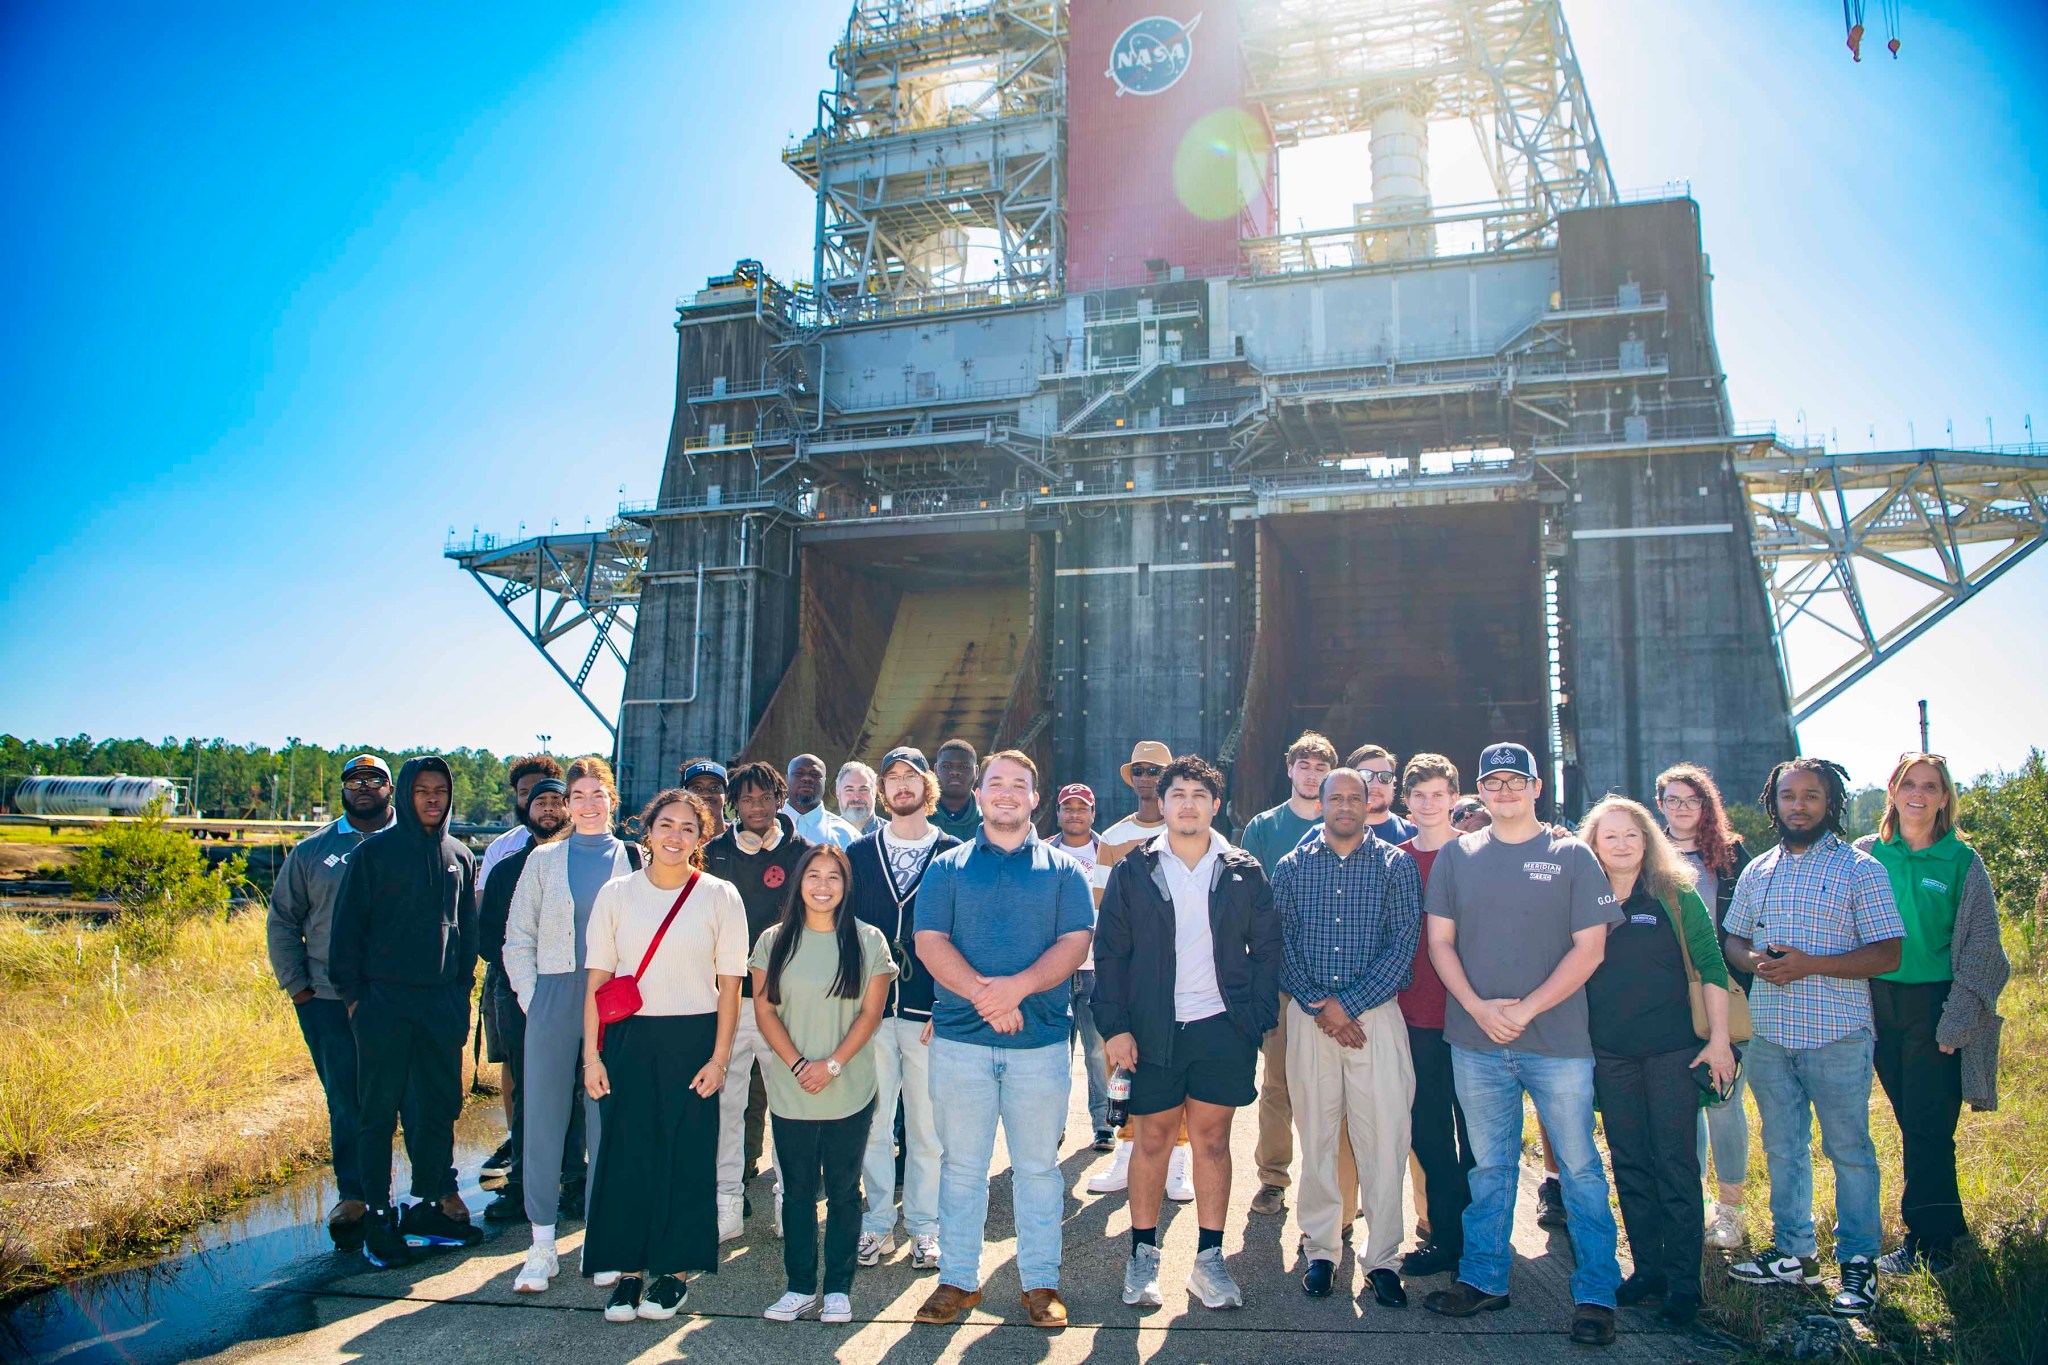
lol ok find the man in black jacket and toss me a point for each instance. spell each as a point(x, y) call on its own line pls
point(404, 963)
point(545, 813)
point(758, 854)
point(1187, 982)
point(888, 866)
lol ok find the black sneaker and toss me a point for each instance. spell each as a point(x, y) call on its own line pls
point(1679, 1310)
point(507, 1206)
point(1428, 1259)
point(384, 1246)
point(1646, 1290)
point(498, 1164)
point(426, 1224)
point(1859, 1288)
point(1105, 1140)
point(625, 1301)
point(663, 1298)
point(1550, 1204)
point(569, 1208)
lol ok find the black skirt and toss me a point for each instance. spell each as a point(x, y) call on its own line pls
point(654, 1198)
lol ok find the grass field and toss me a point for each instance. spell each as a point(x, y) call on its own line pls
point(136, 1103)
point(1993, 1306)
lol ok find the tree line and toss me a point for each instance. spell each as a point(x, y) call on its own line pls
point(253, 781)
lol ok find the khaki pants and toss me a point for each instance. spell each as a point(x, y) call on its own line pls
point(1275, 1151)
point(1372, 1088)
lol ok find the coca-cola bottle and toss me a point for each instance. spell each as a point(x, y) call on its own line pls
point(1119, 1098)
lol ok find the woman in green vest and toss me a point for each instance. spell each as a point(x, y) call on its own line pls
point(1937, 1019)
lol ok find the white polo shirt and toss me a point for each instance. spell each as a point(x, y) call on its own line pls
point(1195, 992)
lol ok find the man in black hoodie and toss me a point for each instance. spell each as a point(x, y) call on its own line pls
point(758, 854)
point(404, 962)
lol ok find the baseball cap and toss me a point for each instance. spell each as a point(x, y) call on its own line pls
point(704, 767)
point(1146, 751)
point(1507, 758)
point(906, 753)
point(1076, 791)
point(362, 763)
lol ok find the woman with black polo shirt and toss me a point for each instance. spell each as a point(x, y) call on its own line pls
point(1639, 1013)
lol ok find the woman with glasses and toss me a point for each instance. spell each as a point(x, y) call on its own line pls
point(1696, 822)
point(821, 984)
point(1646, 1053)
point(1937, 1015)
point(657, 1074)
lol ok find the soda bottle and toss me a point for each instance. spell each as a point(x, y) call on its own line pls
point(1119, 1098)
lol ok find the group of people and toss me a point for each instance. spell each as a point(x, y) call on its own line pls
point(1385, 990)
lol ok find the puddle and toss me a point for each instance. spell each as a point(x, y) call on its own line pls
point(195, 1299)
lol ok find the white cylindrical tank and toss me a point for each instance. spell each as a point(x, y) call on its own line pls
point(1400, 181)
point(117, 795)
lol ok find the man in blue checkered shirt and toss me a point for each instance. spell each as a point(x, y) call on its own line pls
point(1815, 920)
point(1350, 912)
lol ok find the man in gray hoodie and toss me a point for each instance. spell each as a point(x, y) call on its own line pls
point(300, 928)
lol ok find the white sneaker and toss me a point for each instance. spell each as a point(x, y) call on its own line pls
point(542, 1265)
point(732, 1219)
point(1117, 1177)
point(924, 1252)
point(1726, 1232)
point(1180, 1176)
point(605, 1279)
point(792, 1306)
point(838, 1308)
point(873, 1247)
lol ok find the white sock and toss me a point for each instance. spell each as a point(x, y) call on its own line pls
point(544, 1236)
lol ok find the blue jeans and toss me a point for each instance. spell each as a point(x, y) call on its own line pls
point(1093, 1059)
point(1490, 1089)
point(1792, 1088)
point(1027, 1089)
point(1726, 1127)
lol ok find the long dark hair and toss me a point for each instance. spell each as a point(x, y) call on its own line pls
point(675, 796)
point(789, 933)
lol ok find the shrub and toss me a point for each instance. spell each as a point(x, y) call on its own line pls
point(158, 877)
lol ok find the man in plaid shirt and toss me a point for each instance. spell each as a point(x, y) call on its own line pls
point(1350, 912)
point(1815, 920)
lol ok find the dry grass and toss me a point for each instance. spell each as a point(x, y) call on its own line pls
point(1993, 1306)
point(134, 1103)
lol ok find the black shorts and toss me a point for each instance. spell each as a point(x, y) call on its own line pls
point(1212, 1062)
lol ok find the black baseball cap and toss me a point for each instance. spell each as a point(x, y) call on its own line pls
point(704, 767)
point(1507, 758)
point(906, 753)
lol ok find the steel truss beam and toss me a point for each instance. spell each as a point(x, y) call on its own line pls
point(581, 579)
point(1833, 532)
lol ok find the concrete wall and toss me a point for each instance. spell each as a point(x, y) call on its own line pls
point(1668, 643)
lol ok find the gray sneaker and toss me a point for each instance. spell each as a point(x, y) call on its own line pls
point(1210, 1281)
point(1141, 1277)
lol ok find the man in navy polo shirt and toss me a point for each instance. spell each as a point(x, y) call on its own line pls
point(1003, 923)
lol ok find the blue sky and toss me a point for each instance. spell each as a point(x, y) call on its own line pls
point(293, 291)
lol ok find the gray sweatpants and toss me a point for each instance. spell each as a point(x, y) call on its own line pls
point(550, 1084)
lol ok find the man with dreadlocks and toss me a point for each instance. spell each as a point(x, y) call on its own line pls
point(1815, 920)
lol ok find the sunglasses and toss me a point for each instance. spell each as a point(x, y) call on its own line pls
point(370, 783)
point(1146, 770)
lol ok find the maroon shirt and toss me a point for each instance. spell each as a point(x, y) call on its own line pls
point(1422, 1004)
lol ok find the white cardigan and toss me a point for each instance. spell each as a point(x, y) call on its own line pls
point(540, 928)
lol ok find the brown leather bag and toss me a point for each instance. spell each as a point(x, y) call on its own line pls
point(1739, 1026)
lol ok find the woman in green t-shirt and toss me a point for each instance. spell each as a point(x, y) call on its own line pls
point(821, 982)
point(1937, 1015)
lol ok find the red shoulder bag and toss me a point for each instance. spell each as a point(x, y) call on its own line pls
point(619, 998)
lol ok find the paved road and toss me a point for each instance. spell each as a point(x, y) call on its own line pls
point(460, 1308)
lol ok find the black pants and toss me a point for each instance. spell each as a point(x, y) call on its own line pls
point(509, 1020)
point(805, 1148)
point(1436, 1127)
point(1650, 1108)
point(1925, 1086)
point(408, 1051)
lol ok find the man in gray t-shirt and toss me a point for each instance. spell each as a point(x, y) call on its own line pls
point(1517, 920)
point(1516, 907)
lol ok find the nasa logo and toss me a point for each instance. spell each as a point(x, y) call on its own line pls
point(1152, 54)
point(773, 878)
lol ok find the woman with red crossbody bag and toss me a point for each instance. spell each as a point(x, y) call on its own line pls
point(667, 950)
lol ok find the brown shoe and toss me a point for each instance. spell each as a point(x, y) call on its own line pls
point(347, 1211)
point(345, 1224)
point(1045, 1308)
point(452, 1205)
point(948, 1304)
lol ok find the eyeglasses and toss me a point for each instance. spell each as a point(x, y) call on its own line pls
point(1517, 783)
point(363, 784)
point(1680, 802)
point(1146, 770)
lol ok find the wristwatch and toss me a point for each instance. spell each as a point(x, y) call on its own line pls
point(832, 1066)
